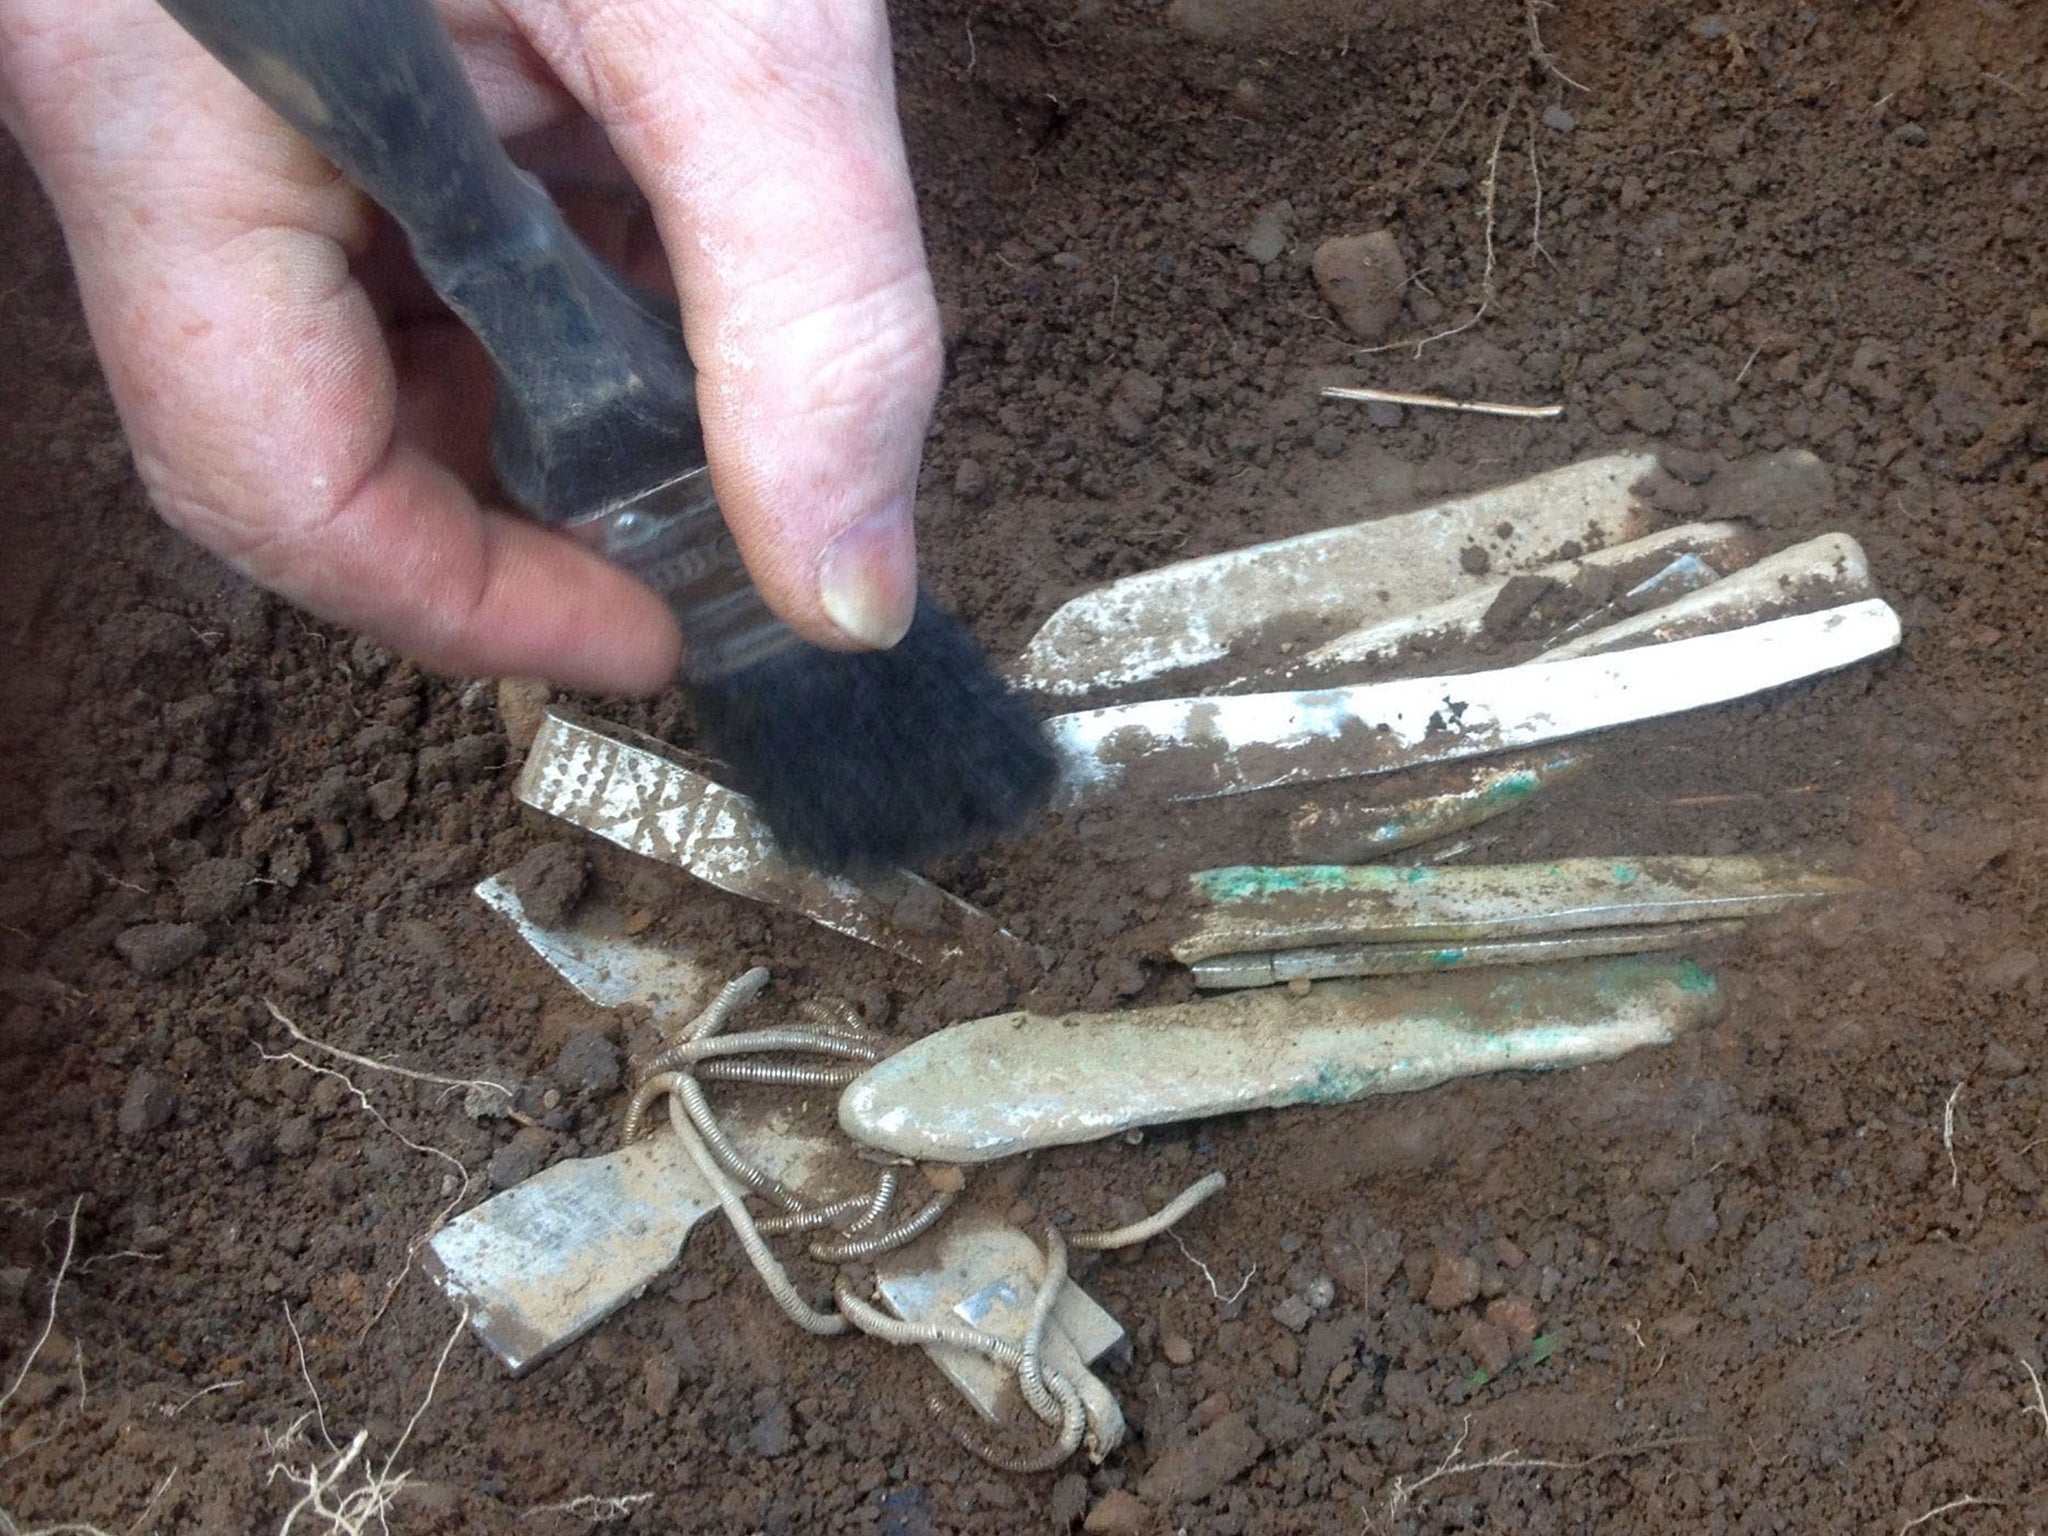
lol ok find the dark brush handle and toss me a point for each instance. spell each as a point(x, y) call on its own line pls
point(597, 418)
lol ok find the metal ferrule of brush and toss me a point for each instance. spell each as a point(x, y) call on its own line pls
point(674, 539)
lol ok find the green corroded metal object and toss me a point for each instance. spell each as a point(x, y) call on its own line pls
point(1343, 834)
point(1251, 908)
point(1225, 972)
point(1080, 1077)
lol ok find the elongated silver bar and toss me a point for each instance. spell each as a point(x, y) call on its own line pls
point(631, 794)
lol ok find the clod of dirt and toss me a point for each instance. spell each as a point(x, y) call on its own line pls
point(1518, 598)
point(298, 1136)
point(1775, 490)
point(388, 798)
point(1176, 1349)
point(661, 1379)
point(971, 483)
point(13, 1285)
point(1453, 1283)
point(1118, 1513)
point(1294, 1313)
point(1361, 278)
point(1514, 1317)
point(1189, 1473)
point(773, 1433)
point(1135, 405)
point(588, 1063)
point(1686, 465)
point(1267, 238)
point(522, 704)
point(459, 761)
point(1690, 1219)
point(1727, 285)
point(1068, 1501)
point(1487, 1343)
point(250, 1147)
point(148, 1105)
point(1645, 409)
point(521, 1157)
point(215, 889)
point(157, 949)
point(550, 881)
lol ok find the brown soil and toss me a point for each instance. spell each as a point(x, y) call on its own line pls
point(1771, 1299)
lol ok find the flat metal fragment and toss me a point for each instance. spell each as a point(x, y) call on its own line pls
point(1357, 834)
point(1196, 748)
point(546, 1261)
point(1186, 615)
point(980, 1270)
point(596, 956)
point(1249, 909)
point(1256, 969)
point(1462, 618)
point(1080, 1077)
point(1820, 573)
point(631, 794)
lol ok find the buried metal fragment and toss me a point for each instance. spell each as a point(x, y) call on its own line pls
point(1224, 972)
point(1251, 909)
point(982, 1271)
point(1187, 615)
point(632, 794)
point(1196, 748)
point(1080, 1077)
point(1464, 618)
point(595, 955)
point(543, 1263)
point(1821, 573)
point(1355, 834)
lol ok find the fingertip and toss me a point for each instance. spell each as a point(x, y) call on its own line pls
point(867, 579)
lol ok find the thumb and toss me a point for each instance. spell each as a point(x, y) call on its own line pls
point(764, 134)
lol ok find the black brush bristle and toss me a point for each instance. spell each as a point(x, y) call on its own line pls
point(864, 761)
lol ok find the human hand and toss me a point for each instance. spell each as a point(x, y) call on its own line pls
point(298, 403)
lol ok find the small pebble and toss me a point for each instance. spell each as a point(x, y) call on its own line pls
point(157, 949)
point(1453, 1282)
point(520, 1158)
point(1178, 1351)
point(1555, 116)
point(1118, 1513)
point(1294, 1314)
point(522, 704)
point(148, 1105)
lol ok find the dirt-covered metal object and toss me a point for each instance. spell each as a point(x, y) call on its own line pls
point(1196, 748)
point(1079, 1077)
point(1821, 573)
point(1256, 969)
point(1352, 833)
point(1150, 626)
point(1249, 909)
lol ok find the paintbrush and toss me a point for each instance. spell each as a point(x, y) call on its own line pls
point(857, 760)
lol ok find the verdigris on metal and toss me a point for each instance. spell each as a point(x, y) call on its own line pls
point(1196, 748)
point(1353, 833)
point(1320, 964)
point(1159, 622)
point(1080, 1077)
point(1824, 572)
point(1254, 908)
point(632, 794)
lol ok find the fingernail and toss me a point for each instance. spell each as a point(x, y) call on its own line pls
point(867, 578)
